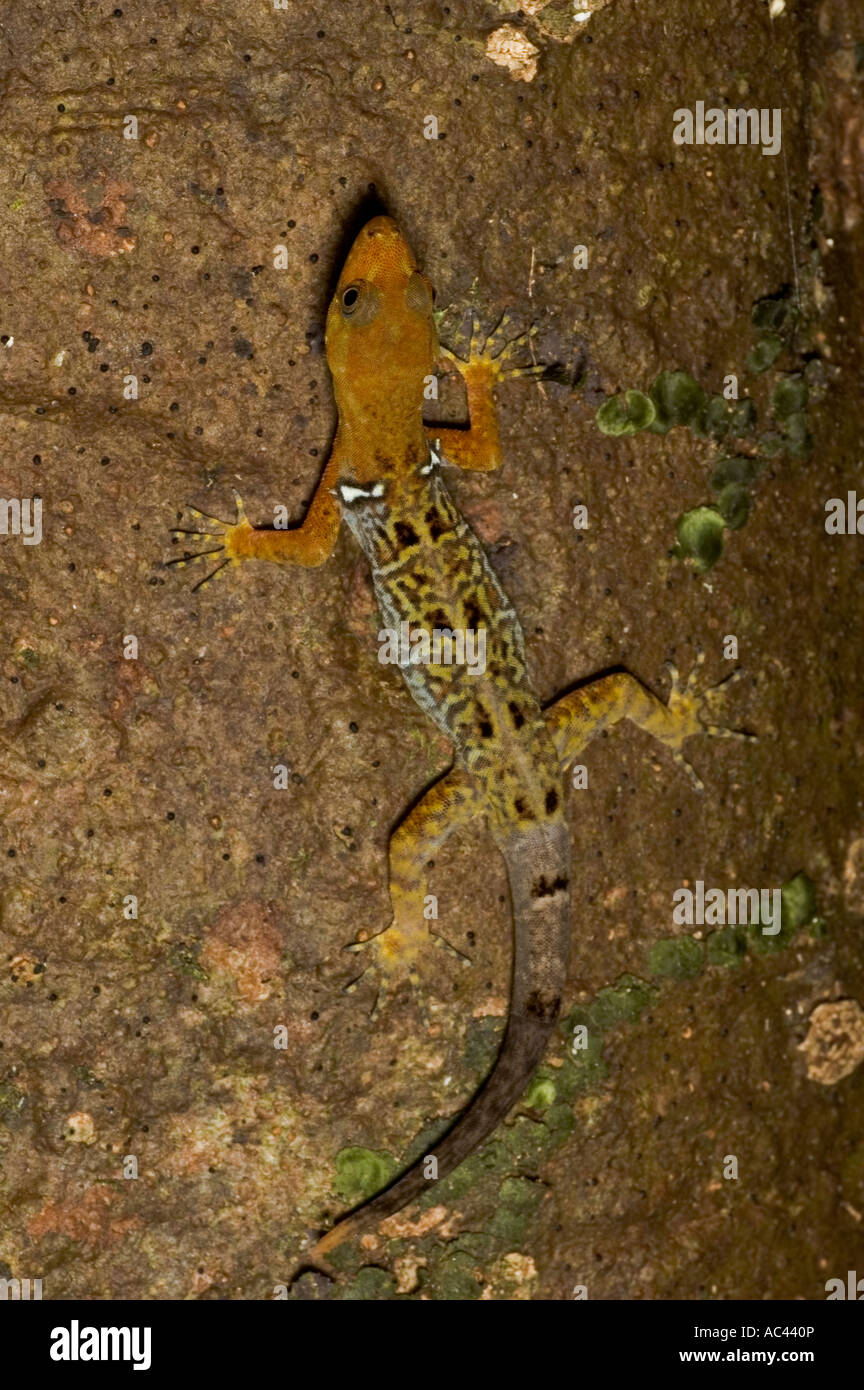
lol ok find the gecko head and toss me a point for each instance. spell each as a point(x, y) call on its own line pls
point(381, 336)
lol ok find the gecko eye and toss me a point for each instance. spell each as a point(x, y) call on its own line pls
point(360, 302)
point(350, 299)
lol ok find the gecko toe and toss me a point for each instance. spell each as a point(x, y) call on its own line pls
point(442, 944)
point(695, 779)
point(208, 578)
point(720, 731)
point(191, 558)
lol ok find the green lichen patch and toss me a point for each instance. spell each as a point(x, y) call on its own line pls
point(735, 468)
point(763, 943)
point(799, 441)
point(583, 1069)
point(482, 1042)
point(559, 1121)
point(370, 1284)
point(583, 1065)
point(678, 400)
point(700, 537)
point(797, 907)
point(623, 1002)
point(772, 444)
point(527, 1142)
point(744, 417)
point(626, 413)
point(677, 958)
point(362, 1172)
point(717, 417)
point(733, 504)
point(764, 353)
point(798, 901)
point(731, 479)
point(452, 1279)
point(725, 947)
point(579, 1016)
point(773, 313)
point(729, 945)
point(495, 1157)
point(518, 1200)
point(790, 395)
point(541, 1092)
point(480, 1245)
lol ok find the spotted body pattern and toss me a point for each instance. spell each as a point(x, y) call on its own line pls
point(429, 570)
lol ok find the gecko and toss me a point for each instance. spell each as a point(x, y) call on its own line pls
point(385, 478)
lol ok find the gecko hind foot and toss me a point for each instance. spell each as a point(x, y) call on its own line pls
point(688, 704)
point(391, 965)
point(396, 950)
point(382, 992)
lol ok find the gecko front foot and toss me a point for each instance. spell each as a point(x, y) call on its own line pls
point(396, 953)
point(227, 535)
point(689, 711)
point(497, 352)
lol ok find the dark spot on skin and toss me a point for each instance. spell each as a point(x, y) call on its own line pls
point(435, 522)
point(405, 533)
point(544, 888)
point(551, 801)
point(473, 615)
point(521, 809)
point(438, 620)
point(486, 726)
point(517, 715)
point(542, 1006)
point(411, 584)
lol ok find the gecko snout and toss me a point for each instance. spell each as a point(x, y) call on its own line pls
point(381, 227)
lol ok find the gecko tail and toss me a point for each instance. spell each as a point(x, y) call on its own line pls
point(538, 870)
point(522, 1051)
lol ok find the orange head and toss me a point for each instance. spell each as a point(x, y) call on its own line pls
point(381, 337)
